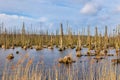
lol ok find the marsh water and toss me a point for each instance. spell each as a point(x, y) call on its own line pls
point(50, 58)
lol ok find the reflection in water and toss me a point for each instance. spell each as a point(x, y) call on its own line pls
point(85, 68)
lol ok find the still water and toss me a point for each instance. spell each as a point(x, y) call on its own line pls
point(50, 57)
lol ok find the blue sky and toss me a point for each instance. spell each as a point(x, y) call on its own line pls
point(50, 13)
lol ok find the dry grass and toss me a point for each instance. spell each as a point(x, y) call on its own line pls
point(11, 39)
point(86, 70)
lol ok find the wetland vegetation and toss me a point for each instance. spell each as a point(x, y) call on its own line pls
point(79, 56)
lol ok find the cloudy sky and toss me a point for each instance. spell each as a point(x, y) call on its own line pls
point(50, 13)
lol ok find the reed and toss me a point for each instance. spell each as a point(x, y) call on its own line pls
point(39, 39)
point(22, 70)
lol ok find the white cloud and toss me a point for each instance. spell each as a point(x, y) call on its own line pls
point(42, 19)
point(117, 9)
point(11, 21)
point(6, 17)
point(88, 8)
point(51, 25)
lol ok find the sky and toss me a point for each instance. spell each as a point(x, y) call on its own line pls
point(48, 14)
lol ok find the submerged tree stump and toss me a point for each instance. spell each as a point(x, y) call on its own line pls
point(78, 54)
point(66, 60)
point(115, 61)
point(10, 56)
